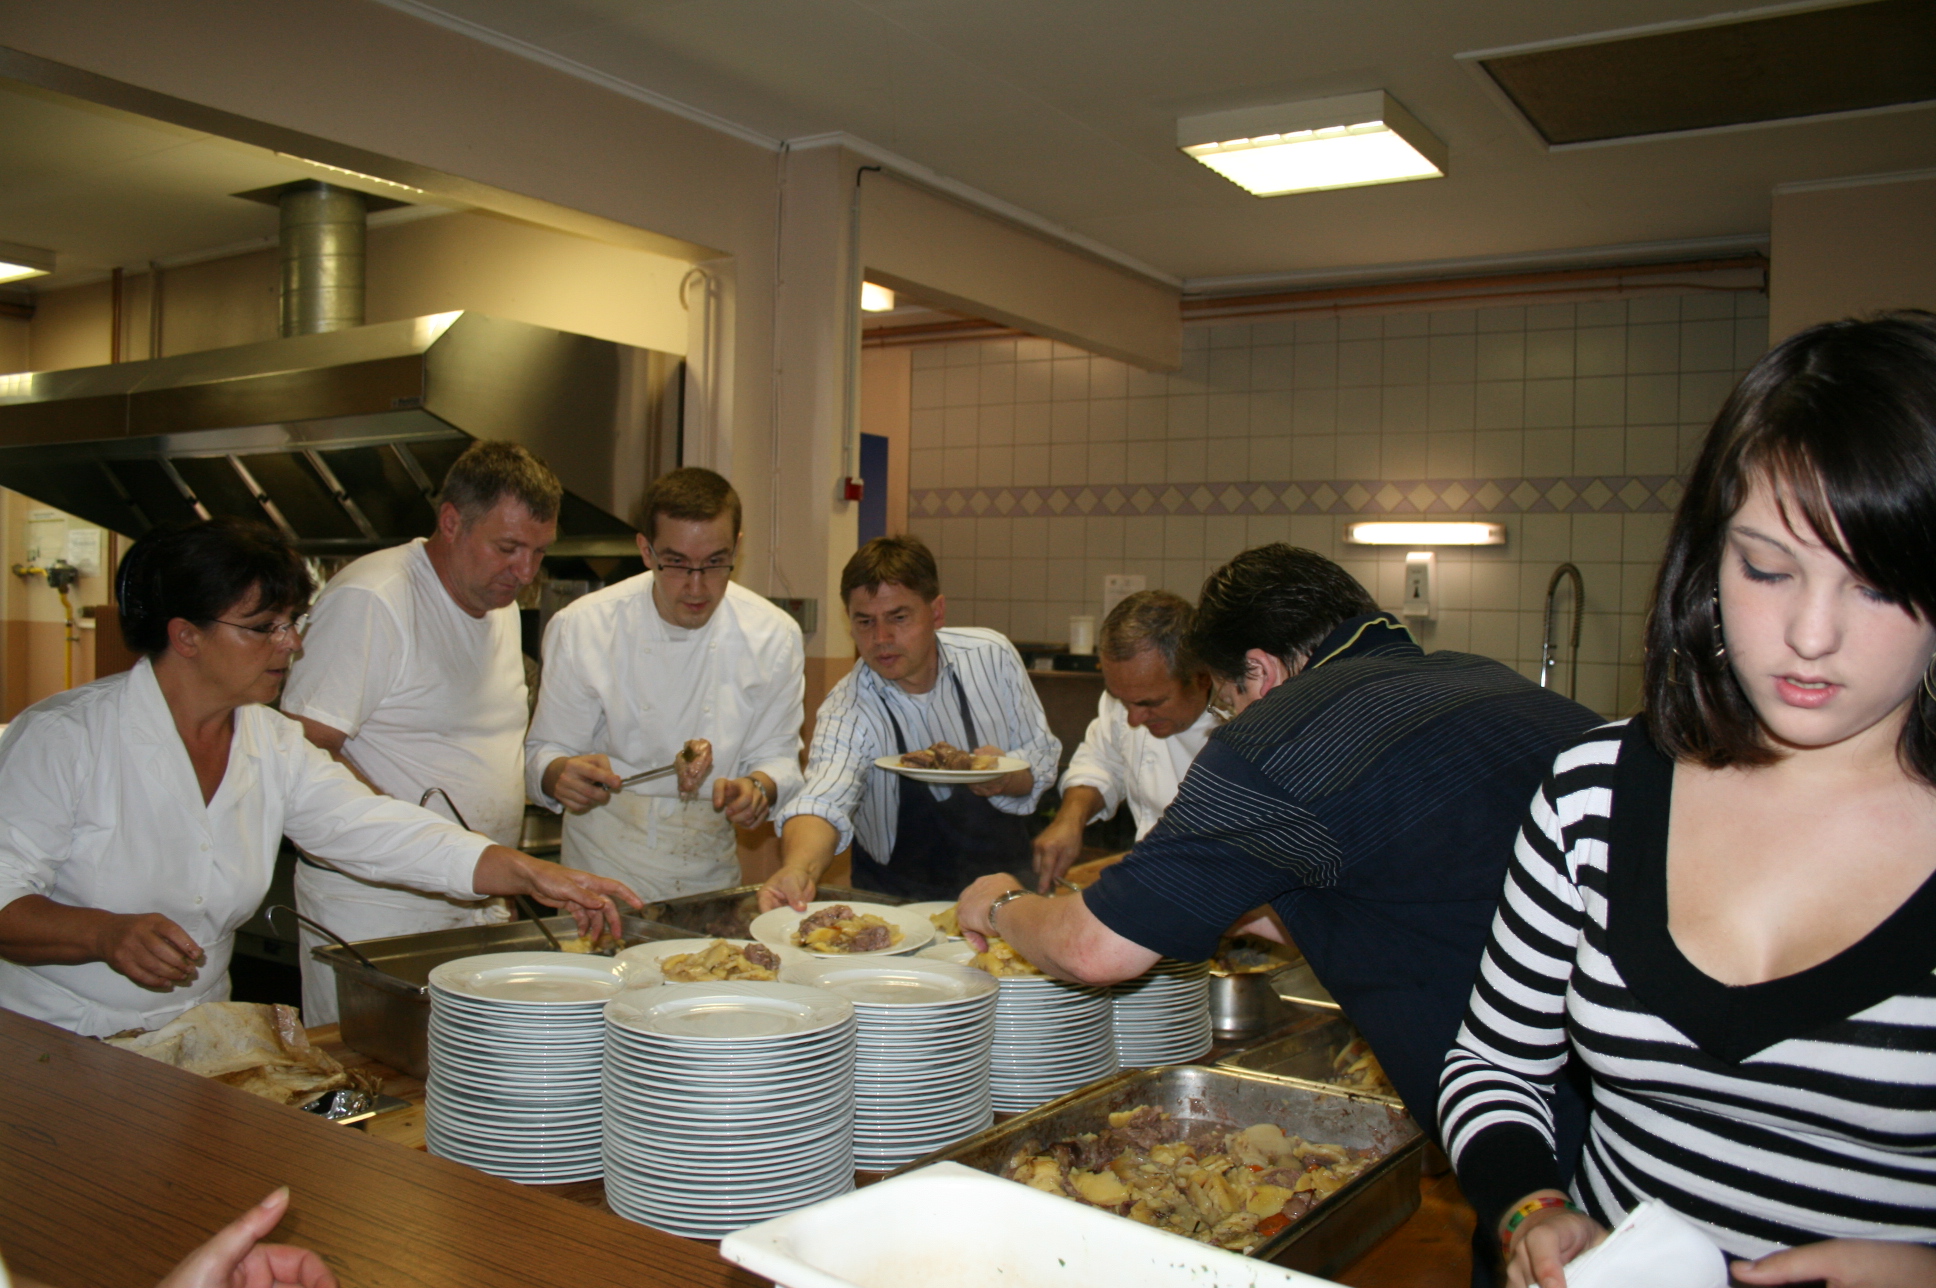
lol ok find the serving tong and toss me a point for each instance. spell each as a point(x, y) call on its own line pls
point(529, 908)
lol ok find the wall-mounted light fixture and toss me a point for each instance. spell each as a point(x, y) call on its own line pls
point(18, 262)
point(1425, 533)
point(875, 299)
point(1343, 142)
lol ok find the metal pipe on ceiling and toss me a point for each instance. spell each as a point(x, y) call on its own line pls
point(322, 258)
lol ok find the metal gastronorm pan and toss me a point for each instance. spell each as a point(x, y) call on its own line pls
point(386, 1011)
point(1335, 1233)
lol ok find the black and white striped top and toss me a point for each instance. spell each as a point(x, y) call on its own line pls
point(1770, 1114)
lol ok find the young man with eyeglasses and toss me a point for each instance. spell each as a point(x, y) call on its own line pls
point(679, 658)
point(412, 675)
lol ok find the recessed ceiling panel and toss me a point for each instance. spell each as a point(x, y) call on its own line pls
point(1844, 59)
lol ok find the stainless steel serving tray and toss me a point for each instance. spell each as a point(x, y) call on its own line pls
point(1303, 1056)
point(726, 914)
point(1332, 1235)
point(386, 1012)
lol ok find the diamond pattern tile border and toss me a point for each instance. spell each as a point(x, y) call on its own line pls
point(1586, 494)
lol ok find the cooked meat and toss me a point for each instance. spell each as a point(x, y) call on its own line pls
point(825, 917)
point(871, 939)
point(761, 955)
point(947, 756)
point(923, 759)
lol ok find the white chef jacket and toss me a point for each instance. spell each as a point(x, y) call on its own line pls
point(620, 679)
point(1134, 764)
point(429, 695)
point(100, 808)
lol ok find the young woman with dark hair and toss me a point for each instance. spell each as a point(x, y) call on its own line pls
point(1726, 907)
point(143, 811)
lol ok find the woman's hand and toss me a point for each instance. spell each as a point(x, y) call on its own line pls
point(589, 899)
point(1546, 1241)
point(1844, 1263)
point(148, 948)
point(234, 1258)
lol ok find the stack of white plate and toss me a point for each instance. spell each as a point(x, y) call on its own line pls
point(726, 1104)
point(921, 1077)
point(515, 1046)
point(1050, 1037)
point(1163, 1015)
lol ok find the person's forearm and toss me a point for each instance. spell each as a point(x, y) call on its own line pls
point(503, 871)
point(1079, 804)
point(36, 931)
point(1061, 937)
point(807, 844)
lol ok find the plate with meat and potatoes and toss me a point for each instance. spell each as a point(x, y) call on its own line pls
point(828, 929)
point(705, 961)
point(949, 766)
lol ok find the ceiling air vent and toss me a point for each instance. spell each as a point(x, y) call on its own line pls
point(1778, 65)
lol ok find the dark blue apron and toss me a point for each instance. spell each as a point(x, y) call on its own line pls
point(941, 847)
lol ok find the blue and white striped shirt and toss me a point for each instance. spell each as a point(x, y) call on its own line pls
point(844, 786)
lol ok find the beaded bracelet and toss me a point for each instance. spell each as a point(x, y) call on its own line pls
point(1525, 1210)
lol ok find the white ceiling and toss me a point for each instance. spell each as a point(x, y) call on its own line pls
point(1065, 108)
point(1068, 109)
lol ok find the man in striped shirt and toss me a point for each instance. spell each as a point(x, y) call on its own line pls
point(920, 684)
point(1367, 791)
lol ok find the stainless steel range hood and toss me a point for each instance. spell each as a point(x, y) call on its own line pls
point(342, 438)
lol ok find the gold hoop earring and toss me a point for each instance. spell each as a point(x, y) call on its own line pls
point(1927, 687)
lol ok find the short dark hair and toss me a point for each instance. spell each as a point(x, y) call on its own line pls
point(690, 494)
point(1843, 417)
point(905, 561)
point(1278, 598)
point(198, 571)
point(489, 471)
point(1151, 619)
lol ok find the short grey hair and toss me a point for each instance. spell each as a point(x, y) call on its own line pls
point(1151, 619)
point(489, 471)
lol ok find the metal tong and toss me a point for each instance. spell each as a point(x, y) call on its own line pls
point(651, 774)
point(524, 902)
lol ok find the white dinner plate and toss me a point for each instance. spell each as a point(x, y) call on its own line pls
point(644, 959)
point(735, 1011)
point(775, 928)
point(532, 979)
point(902, 982)
point(951, 777)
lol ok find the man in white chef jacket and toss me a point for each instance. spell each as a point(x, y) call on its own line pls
point(1152, 720)
point(412, 674)
point(636, 671)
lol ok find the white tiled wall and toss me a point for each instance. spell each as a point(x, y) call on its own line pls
point(1036, 469)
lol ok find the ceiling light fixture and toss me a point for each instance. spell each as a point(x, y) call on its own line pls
point(1344, 142)
point(1425, 534)
point(19, 262)
point(875, 299)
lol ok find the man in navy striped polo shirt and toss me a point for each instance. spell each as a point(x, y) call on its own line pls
point(1368, 791)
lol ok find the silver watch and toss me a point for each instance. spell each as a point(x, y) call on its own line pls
point(1000, 899)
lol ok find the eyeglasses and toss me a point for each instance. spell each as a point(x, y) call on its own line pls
point(714, 572)
point(273, 630)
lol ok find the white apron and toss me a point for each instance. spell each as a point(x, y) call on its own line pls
point(661, 846)
point(359, 910)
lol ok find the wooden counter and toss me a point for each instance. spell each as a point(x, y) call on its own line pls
point(112, 1167)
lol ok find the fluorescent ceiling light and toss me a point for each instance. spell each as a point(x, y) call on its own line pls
point(18, 262)
point(1426, 534)
point(875, 299)
point(1321, 143)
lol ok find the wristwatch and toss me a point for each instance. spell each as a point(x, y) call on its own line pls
point(1001, 899)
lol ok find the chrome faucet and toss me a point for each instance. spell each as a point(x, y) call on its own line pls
point(1548, 653)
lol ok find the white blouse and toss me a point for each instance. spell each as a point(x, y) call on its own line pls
point(1134, 765)
point(100, 808)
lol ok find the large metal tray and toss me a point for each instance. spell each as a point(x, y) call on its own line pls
point(726, 914)
point(1332, 1235)
point(386, 1012)
point(1303, 1056)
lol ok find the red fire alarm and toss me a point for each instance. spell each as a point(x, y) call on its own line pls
point(851, 488)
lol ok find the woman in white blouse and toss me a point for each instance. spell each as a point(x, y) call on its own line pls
point(140, 815)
